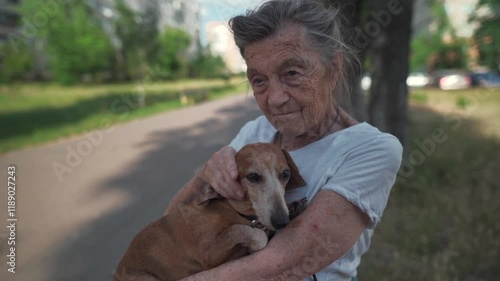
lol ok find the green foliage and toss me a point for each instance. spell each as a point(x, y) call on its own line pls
point(449, 56)
point(440, 16)
point(78, 48)
point(14, 63)
point(76, 43)
point(420, 51)
point(206, 65)
point(430, 52)
point(170, 57)
point(487, 36)
point(138, 35)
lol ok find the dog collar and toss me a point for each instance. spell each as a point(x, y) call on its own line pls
point(254, 221)
point(256, 224)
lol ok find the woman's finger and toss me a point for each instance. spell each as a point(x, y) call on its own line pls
point(221, 173)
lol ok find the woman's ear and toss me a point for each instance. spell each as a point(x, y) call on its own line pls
point(296, 179)
point(336, 67)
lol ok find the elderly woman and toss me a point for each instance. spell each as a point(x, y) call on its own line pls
point(299, 70)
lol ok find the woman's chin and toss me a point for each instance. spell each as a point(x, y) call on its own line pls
point(292, 130)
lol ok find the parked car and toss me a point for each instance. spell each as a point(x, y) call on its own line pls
point(418, 79)
point(452, 79)
point(488, 79)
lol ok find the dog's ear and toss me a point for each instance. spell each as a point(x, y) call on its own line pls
point(208, 194)
point(296, 179)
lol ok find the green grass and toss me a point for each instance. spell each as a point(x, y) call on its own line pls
point(420, 97)
point(441, 222)
point(38, 113)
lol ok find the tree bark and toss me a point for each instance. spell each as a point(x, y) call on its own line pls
point(383, 35)
point(390, 27)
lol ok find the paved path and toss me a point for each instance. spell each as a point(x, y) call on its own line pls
point(80, 201)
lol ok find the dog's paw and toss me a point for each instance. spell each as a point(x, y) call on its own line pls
point(259, 240)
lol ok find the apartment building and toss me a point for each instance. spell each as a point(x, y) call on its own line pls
point(221, 42)
point(9, 18)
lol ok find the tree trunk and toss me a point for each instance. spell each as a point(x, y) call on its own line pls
point(384, 29)
point(389, 24)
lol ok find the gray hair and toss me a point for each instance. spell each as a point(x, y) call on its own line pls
point(325, 29)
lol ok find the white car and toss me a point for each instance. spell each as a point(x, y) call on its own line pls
point(452, 79)
point(415, 79)
point(418, 80)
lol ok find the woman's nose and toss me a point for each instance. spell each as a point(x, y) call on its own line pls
point(277, 94)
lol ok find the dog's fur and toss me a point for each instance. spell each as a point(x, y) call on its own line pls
point(201, 230)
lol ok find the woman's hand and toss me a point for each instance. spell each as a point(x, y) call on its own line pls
point(221, 173)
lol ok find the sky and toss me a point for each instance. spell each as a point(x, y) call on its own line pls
point(222, 10)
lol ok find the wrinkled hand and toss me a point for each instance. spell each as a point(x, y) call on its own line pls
point(221, 173)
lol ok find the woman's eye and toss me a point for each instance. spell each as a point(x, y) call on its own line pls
point(257, 82)
point(292, 77)
point(253, 177)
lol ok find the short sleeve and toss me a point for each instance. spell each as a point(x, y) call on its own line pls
point(367, 174)
point(258, 130)
point(241, 138)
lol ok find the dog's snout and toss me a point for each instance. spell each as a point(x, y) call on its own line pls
point(280, 221)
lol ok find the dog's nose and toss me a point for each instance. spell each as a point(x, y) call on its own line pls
point(280, 221)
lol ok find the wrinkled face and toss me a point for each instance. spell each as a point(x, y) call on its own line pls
point(289, 80)
point(264, 173)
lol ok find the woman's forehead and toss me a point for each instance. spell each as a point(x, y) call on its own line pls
point(272, 47)
point(279, 52)
point(289, 38)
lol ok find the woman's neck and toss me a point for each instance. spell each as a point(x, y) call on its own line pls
point(330, 124)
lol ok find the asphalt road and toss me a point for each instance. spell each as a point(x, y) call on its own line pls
point(80, 201)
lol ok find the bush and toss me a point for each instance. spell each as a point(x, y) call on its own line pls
point(76, 43)
point(170, 58)
point(14, 64)
point(206, 65)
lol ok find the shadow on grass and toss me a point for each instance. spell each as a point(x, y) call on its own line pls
point(26, 123)
point(441, 222)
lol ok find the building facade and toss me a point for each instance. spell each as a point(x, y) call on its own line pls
point(221, 42)
point(9, 18)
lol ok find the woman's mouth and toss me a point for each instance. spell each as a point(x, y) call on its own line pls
point(286, 113)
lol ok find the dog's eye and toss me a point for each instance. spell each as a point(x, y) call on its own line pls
point(285, 175)
point(253, 177)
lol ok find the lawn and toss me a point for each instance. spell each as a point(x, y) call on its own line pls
point(38, 113)
point(442, 220)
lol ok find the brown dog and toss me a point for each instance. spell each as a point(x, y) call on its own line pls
point(201, 230)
